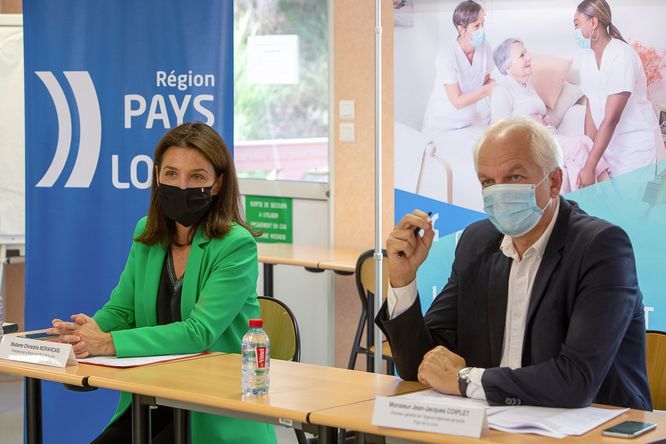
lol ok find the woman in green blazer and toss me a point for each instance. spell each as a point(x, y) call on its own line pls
point(189, 284)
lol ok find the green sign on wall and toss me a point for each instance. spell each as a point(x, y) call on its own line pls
point(272, 215)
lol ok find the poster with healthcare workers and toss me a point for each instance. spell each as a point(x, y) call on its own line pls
point(104, 81)
point(460, 66)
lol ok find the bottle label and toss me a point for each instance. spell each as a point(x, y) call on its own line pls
point(261, 356)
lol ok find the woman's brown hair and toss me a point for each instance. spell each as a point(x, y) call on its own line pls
point(602, 11)
point(465, 13)
point(226, 206)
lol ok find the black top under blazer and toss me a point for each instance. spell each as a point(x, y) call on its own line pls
point(585, 330)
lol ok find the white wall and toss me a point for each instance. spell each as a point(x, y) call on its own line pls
point(12, 137)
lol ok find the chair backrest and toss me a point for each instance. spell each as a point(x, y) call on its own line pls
point(656, 367)
point(365, 274)
point(282, 329)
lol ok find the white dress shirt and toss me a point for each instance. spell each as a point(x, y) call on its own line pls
point(521, 280)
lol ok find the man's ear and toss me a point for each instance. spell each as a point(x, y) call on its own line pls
point(555, 182)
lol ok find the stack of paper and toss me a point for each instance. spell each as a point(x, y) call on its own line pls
point(112, 361)
point(551, 422)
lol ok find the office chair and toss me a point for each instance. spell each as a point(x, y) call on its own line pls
point(365, 284)
point(656, 367)
point(282, 329)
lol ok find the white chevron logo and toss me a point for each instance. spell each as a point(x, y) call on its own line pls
point(90, 139)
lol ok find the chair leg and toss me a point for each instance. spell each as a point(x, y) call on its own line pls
point(300, 437)
point(357, 339)
point(390, 367)
point(370, 333)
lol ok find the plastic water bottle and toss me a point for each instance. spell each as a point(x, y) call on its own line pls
point(256, 359)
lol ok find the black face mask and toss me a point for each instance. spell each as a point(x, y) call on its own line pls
point(185, 206)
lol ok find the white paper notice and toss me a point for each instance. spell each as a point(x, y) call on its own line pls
point(414, 413)
point(112, 361)
point(54, 354)
point(551, 422)
point(272, 60)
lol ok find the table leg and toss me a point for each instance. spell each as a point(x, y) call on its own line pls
point(180, 426)
point(268, 280)
point(327, 435)
point(33, 408)
point(140, 421)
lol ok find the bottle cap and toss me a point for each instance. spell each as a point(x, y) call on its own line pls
point(256, 323)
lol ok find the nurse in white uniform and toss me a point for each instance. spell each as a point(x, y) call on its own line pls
point(462, 74)
point(619, 117)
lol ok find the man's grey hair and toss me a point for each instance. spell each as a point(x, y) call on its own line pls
point(544, 148)
point(502, 54)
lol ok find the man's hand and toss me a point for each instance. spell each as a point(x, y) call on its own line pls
point(406, 251)
point(439, 369)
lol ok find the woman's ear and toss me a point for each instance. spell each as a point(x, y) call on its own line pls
point(217, 186)
point(157, 176)
point(595, 24)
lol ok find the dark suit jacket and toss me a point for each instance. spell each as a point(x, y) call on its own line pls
point(585, 329)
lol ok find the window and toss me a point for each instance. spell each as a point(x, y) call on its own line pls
point(281, 89)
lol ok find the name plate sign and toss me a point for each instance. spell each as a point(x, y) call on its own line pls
point(54, 354)
point(414, 414)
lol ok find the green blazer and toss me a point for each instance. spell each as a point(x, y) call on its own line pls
point(218, 298)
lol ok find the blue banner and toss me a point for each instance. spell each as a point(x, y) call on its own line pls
point(104, 81)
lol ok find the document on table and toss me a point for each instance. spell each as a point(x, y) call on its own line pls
point(551, 422)
point(112, 361)
point(545, 421)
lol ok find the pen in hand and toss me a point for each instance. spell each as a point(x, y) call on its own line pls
point(416, 234)
point(417, 229)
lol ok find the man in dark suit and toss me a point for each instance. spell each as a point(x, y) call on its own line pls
point(542, 306)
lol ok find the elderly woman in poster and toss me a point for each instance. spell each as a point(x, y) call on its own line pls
point(515, 96)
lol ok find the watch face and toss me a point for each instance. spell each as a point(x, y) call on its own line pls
point(464, 372)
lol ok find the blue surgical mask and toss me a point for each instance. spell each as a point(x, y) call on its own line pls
point(478, 37)
point(580, 38)
point(512, 208)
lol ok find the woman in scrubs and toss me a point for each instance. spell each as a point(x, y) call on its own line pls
point(619, 118)
point(462, 74)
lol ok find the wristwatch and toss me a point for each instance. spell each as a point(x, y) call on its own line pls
point(463, 380)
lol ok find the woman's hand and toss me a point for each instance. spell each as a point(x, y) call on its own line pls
point(586, 177)
point(67, 332)
point(538, 117)
point(84, 334)
point(94, 342)
point(488, 87)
